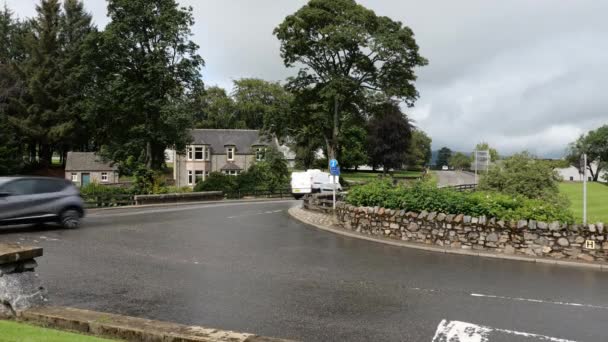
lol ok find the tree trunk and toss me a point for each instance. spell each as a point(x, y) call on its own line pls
point(149, 154)
point(332, 144)
point(45, 155)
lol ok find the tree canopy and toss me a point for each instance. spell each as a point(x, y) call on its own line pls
point(419, 154)
point(344, 50)
point(388, 138)
point(460, 161)
point(149, 68)
point(595, 144)
point(443, 157)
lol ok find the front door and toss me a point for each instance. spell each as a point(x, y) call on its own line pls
point(86, 179)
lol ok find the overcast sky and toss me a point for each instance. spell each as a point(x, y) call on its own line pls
point(519, 74)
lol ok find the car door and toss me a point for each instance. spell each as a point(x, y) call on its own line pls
point(47, 195)
point(18, 203)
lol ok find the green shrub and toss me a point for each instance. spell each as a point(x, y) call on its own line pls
point(421, 196)
point(522, 174)
point(217, 181)
point(96, 189)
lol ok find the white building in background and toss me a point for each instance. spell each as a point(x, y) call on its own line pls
point(572, 174)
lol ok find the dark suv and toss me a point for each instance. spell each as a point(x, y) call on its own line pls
point(40, 200)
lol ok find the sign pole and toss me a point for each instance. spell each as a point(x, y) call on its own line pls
point(584, 188)
point(475, 166)
point(334, 192)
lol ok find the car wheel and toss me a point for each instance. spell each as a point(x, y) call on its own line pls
point(70, 219)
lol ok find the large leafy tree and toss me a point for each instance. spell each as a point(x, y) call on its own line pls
point(595, 145)
point(419, 154)
point(460, 161)
point(354, 149)
point(443, 157)
point(345, 49)
point(10, 88)
point(216, 109)
point(37, 115)
point(262, 105)
point(149, 71)
point(48, 114)
point(388, 138)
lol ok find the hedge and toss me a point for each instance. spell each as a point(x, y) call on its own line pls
point(424, 196)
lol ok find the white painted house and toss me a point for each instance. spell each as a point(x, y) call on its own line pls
point(573, 174)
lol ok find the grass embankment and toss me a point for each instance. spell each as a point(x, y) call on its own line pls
point(19, 332)
point(597, 200)
point(367, 176)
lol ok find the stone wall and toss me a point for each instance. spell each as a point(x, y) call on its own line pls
point(20, 287)
point(525, 237)
point(322, 202)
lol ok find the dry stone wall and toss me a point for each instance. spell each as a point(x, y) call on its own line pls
point(525, 237)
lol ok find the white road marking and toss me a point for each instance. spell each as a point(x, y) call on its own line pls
point(457, 331)
point(540, 301)
point(256, 214)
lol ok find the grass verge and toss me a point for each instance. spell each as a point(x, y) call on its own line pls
point(19, 332)
point(366, 176)
point(597, 200)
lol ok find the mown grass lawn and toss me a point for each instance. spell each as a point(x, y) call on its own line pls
point(19, 332)
point(597, 200)
point(366, 176)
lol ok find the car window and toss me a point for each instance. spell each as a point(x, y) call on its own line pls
point(44, 186)
point(20, 187)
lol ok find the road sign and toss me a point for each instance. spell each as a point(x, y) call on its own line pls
point(334, 168)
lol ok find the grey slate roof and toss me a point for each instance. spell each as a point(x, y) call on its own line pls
point(87, 161)
point(219, 139)
point(230, 167)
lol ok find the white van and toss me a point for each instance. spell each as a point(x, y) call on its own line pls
point(303, 183)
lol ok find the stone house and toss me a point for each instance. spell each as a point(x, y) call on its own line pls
point(230, 151)
point(83, 168)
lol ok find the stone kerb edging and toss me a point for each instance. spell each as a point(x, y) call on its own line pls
point(131, 328)
point(525, 237)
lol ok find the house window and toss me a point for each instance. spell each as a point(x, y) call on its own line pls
point(206, 152)
point(571, 178)
point(260, 153)
point(198, 153)
point(190, 179)
point(104, 177)
point(232, 172)
point(75, 177)
point(198, 176)
point(190, 153)
point(230, 153)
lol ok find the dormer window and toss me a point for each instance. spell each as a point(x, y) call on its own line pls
point(230, 153)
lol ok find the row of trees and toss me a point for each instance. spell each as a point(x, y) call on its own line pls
point(128, 90)
point(461, 160)
point(132, 90)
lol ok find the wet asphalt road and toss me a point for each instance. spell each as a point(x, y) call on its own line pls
point(250, 267)
point(451, 178)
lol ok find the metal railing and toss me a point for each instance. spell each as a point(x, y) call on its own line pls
point(463, 187)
